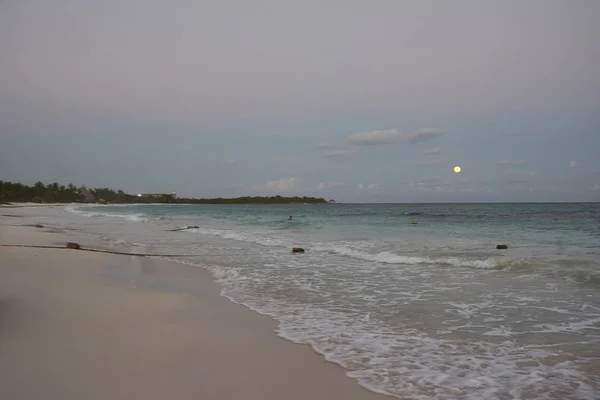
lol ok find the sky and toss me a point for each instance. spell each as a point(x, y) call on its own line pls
point(358, 101)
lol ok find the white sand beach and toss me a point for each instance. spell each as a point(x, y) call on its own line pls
point(81, 325)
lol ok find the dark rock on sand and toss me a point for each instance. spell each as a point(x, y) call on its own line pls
point(297, 250)
point(501, 247)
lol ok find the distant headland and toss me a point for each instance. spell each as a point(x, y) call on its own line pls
point(12, 192)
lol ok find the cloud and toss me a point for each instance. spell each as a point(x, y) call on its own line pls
point(330, 185)
point(431, 152)
point(341, 154)
point(431, 163)
point(572, 164)
point(596, 187)
point(429, 183)
point(388, 136)
point(229, 162)
point(283, 185)
point(391, 136)
point(595, 171)
point(511, 162)
point(426, 184)
point(369, 186)
point(439, 185)
point(425, 135)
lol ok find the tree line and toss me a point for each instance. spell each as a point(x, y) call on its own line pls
point(40, 193)
point(255, 200)
point(55, 193)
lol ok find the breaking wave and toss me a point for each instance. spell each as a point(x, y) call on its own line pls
point(382, 257)
point(392, 258)
point(241, 237)
point(128, 217)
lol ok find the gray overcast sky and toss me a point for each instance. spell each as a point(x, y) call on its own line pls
point(353, 100)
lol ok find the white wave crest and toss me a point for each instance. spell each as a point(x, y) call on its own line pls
point(382, 257)
point(128, 217)
point(225, 274)
point(392, 258)
point(241, 237)
point(408, 364)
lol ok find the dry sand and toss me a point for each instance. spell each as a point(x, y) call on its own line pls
point(81, 325)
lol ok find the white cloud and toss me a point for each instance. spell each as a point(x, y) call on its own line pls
point(283, 185)
point(330, 185)
point(341, 154)
point(388, 136)
point(369, 186)
point(437, 184)
point(424, 135)
point(431, 183)
point(572, 164)
point(511, 162)
point(391, 136)
point(431, 152)
point(229, 162)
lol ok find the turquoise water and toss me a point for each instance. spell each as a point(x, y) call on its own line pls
point(423, 311)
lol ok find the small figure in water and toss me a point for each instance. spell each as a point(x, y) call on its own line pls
point(290, 218)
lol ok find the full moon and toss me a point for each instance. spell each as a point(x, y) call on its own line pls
point(457, 169)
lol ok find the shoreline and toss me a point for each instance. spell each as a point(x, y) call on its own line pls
point(28, 204)
point(92, 325)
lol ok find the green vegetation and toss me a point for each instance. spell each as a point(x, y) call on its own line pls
point(55, 193)
point(39, 193)
point(256, 200)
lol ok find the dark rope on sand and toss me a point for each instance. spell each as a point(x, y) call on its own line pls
point(183, 229)
point(102, 251)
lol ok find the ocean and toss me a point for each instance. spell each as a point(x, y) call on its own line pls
point(430, 310)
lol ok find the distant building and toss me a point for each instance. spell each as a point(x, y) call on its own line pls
point(88, 197)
